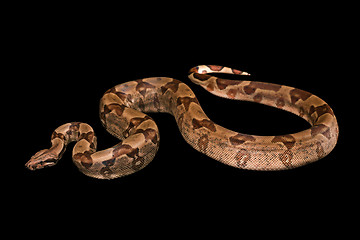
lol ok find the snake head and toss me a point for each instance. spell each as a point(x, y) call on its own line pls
point(43, 158)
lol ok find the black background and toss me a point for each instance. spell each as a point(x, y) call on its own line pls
point(67, 65)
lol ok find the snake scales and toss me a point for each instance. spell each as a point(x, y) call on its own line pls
point(121, 113)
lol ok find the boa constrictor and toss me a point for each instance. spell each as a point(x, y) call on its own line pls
point(121, 113)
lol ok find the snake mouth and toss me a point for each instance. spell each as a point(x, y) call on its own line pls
point(35, 164)
point(49, 162)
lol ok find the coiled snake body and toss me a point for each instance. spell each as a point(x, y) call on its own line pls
point(121, 113)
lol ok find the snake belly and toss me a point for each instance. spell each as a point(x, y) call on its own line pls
point(122, 114)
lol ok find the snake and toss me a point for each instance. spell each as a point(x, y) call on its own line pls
point(123, 111)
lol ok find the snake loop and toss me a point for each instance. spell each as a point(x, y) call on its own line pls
point(122, 114)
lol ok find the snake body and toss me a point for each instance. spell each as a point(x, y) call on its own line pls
point(122, 114)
